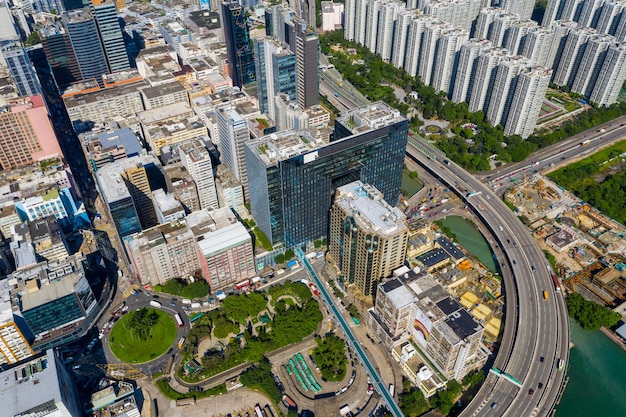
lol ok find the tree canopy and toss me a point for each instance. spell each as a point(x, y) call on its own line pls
point(589, 315)
point(330, 357)
point(239, 308)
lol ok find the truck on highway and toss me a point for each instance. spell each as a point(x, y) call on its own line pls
point(545, 295)
point(154, 303)
point(220, 295)
point(585, 142)
point(336, 95)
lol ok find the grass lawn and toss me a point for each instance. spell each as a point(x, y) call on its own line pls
point(127, 346)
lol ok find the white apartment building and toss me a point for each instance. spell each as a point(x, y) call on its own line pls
point(530, 90)
point(466, 69)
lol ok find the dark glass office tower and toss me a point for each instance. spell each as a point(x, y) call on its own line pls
point(293, 179)
point(238, 45)
point(275, 73)
point(59, 53)
point(305, 44)
point(81, 27)
point(111, 35)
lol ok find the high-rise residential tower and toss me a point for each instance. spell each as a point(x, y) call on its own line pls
point(611, 77)
point(591, 62)
point(523, 8)
point(367, 237)
point(484, 78)
point(466, 68)
point(447, 56)
point(572, 54)
point(503, 87)
point(530, 91)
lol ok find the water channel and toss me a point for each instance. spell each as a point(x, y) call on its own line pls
point(597, 366)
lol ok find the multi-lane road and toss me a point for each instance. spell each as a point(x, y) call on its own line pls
point(536, 333)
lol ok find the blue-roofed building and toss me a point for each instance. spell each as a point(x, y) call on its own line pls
point(434, 259)
point(105, 147)
point(445, 244)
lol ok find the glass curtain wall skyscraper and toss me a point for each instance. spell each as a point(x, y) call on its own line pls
point(238, 45)
point(293, 179)
point(111, 35)
point(81, 27)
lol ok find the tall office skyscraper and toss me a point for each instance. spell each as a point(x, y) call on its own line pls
point(136, 179)
point(305, 44)
point(530, 90)
point(503, 87)
point(447, 57)
point(275, 73)
point(537, 46)
point(571, 55)
point(233, 132)
point(110, 35)
point(57, 46)
point(13, 56)
point(83, 32)
point(293, 179)
point(590, 64)
point(196, 159)
point(367, 237)
point(611, 77)
point(523, 8)
point(484, 78)
point(466, 68)
point(238, 45)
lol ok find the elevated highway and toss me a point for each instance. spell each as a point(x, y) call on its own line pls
point(536, 332)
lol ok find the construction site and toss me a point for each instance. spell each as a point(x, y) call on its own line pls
point(589, 248)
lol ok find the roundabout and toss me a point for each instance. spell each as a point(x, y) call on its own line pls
point(142, 336)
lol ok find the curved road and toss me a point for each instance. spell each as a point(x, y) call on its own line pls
point(536, 333)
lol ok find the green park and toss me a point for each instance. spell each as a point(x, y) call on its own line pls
point(142, 335)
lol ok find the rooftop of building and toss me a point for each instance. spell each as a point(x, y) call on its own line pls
point(77, 15)
point(206, 19)
point(217, 230)
point(92, 97)
point(450, 248)
point(45, 293)
point(163, 90)
point(371, 212)
point(372, 116)
point(397, 293)
point(463, 324)
point(433, 257)
point(284, 145)
point(159, 235)
point(166, 203)
point(102, 142)
point(110, 180)
point(29, 384)
point(161, 114)
point(561, 239)
point(226, 178)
